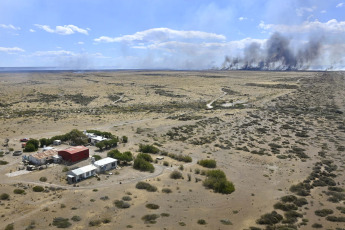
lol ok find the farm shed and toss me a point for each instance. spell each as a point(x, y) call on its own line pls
point(79, 174)
point(105, 164)
point(74, 154)
point(43, 157)
point(96, 139)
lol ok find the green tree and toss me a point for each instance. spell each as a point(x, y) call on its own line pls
point(100, 145)
point(124, 139)
point(148, 149)
point(77, 137)
point(29, 147)
point(145, 156)
point(142, 165)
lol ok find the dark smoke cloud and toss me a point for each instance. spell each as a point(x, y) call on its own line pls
point(276, 54)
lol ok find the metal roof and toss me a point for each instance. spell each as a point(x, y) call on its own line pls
point(104, 161)
point(75, 149)
point(45, 154)
point(82, 170)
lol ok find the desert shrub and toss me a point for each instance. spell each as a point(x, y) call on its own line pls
point(145, 156)
point(148, 149)
point(4, 196)
point(217, 181)
point(197, 171)
point(29, 147)
point(208, 163)
point(291, 216)
point(182, 223)
point(316, 225)
point(38, 188)
point(175, 175)
point(166, 190)
point(323, 212)
point(61, 222)
point(143, 165)
point(43, 179)
point(93, 223)
point(126, 198)
point(76, 218)
point(125, 157)
point(124, 139)
point(288, 198)
point(18, 191)
point(270, 218)
point(9, 227)
point(121, 204)
point(165, 214)
point(226, 222)
point(300, 202)
point(285, 207)
point(336, 189)
point(165, 163)
point(152, 206)
point(150, 218)
point(201, 222)
point(146, 186)
point(104, 198)
point(301, 189)
point(180, 157)
point(335, 218)
point(31, 226)
point(3, 162)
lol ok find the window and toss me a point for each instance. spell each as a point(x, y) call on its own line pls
point(88, 173)
point(113, 164)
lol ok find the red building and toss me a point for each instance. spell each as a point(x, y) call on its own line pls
point(74, 154)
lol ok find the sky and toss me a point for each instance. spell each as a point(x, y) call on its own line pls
point(162, 34)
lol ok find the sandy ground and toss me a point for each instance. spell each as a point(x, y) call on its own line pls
point(168, 109)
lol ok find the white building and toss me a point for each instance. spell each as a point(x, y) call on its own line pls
point(79, 174)
point(99, 166)
point(96, 139)
point(105, 164)
point(57, 142)
point(45, 157)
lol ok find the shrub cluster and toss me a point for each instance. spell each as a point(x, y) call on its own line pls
point(142, 163)
point(208, 163)
point(175, 175)
point(4, 196)
point(38, 189)
point(178, 157)
point(121, 204)
point(152, 206)
point(61, 222)
point(217, 181)
point(150, 218)
point(124, 157)
point(148, 149)
point(146, 186)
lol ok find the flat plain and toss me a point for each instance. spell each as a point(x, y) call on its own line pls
point(278, 136)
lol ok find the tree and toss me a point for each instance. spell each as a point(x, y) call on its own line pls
point(145, 156)
point(29, 147)
point(148, 149)
point(100, 145)
point(33, 142)
point(77, 137)
point(125, 157)
point(142, 165)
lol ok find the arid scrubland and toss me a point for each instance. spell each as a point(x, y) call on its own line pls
point(279, 138)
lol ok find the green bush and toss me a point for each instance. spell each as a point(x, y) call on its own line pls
point(175, 175)
point(38, 189)
point(145, 157)
point(126, 198)
point(208, 163)
point(180, 157)
point(18, 191)
point(201, 221)
point(335, 218)
point(125, 157)
point(4, 196)
point(316, 225)
point(93, 223)
point(43, 179)
point(217, 181)
point(61, 222)
point(165, 163)
point(285, 207)
point(124, 139)
point(29, 147)
point(143, 165)
point(76, 218)
point(9, 227)
point(152, 206)
point(146, 186)
point(150, 218)
point(323, 212)
point(97, 157)
point(121, 204)
point(148, 149)
point(166, 190)
point(3, 162)
point(270, 218)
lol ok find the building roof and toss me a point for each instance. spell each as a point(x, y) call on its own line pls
point(98, 138)
point(82, 170)
point(75, 149)
point(45, 154)
point(104, 161)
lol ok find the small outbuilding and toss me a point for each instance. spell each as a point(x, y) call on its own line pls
point(79, 174)
point(96, 139)
point(105, 164)
point(56, 142)
point(74, 154)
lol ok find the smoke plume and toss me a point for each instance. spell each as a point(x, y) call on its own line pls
point(276, 54)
